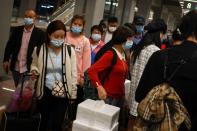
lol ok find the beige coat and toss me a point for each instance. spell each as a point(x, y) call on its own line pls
point(39, 65)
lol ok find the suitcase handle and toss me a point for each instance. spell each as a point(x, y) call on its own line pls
point(23, 80)
point(33, 96)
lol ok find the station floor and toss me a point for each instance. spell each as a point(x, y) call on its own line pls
point(6, 89)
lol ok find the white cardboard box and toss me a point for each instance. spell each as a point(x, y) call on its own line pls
point(97, 113)
point(79, 126)
point(107, 117)
point(86, 111)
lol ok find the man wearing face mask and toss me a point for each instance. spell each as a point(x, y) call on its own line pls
point(139, 23)
point(19, 48)
point(112, 24)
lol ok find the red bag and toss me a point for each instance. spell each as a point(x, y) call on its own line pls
point(163, 46)
point(21, 99)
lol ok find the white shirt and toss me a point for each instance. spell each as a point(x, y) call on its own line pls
point(93, 46)
point(21, 63)
point(108, 37)
point(120, 55)
point(55, 71)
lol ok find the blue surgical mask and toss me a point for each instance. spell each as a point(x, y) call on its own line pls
point(128, 45)
point(96, 37)
point(28, 21)
point(76, 29)
point(57, 42)
point(139, 28)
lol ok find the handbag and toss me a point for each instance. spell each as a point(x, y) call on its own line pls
point(90, 92)
point(162, 109)
point(58, 89)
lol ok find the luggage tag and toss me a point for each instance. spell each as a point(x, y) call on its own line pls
point(78, 48)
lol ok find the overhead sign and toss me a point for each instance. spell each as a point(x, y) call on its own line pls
point(190, 4)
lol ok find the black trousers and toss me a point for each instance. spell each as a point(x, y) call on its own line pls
point(52, 111)
point(80, 94)
point(17, 77)
point(80, 98)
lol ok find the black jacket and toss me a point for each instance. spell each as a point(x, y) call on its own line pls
point(184, 81)
point(14, 44)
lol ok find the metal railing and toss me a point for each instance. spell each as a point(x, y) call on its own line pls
point(64, 13)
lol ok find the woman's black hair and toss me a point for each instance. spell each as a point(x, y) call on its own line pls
point(156, 25)
point(176, 35)
point(151, 37)
point(148, 39)
point(119, 37)
point(54, 26)
point(103, 24)
point(132, 27)
point(97, 27)
point(188, 26)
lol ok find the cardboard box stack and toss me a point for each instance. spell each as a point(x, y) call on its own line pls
point(96, 116)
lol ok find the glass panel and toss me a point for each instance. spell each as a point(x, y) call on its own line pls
point(110, 8)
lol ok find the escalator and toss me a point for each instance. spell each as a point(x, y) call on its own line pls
point(64, 13)
point(47, 14)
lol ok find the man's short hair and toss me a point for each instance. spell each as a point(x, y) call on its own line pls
point(112, 19)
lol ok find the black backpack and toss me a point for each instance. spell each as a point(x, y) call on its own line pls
point(162, 108)
point(90, 92)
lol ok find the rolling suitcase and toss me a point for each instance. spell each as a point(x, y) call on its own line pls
point(21, 114)
point(21, 121)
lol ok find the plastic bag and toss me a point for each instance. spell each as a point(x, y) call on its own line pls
point(21, 99)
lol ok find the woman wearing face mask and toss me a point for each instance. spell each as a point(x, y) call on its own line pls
point(96, 44)
point(81, 44)
point(54, 62)
point(109, 78)
point(140, 56)
point(130, 44)
point(95, 41)
point(185, 79)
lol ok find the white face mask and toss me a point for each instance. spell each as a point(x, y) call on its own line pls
point(112, 29)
